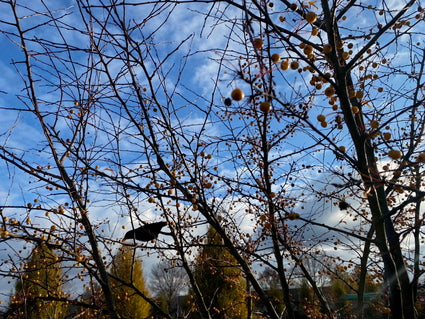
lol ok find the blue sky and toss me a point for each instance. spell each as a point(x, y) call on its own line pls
point(198, 83)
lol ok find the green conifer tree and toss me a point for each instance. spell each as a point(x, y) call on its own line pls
point(220, 280)
point(128, 268)
point(39, 288)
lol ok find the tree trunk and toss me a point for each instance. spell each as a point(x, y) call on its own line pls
point(363, 273)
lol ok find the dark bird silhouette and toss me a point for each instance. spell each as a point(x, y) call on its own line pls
point(146, 232)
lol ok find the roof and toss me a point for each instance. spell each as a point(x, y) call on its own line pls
point(366, 296)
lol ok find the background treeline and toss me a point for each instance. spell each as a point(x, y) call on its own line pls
point(40, 293)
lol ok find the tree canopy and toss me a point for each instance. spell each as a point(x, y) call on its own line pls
point(220, 279)
point(292, 131)
point(40, 287)
point(128, 285)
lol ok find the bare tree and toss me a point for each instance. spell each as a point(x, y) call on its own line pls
point(291, 129)
point(168, 283)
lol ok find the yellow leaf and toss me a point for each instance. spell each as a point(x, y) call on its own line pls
point(367, 103)
point(312, 4)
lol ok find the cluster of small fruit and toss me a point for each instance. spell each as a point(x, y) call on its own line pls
point(238, 95)
point(258, 43)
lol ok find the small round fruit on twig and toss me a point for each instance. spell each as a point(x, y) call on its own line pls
point(228, 101)
point(293, 216)
point(387, 136)
point(284, 65)
point(293, 6)
point(275, 58)
point(321, 118)
point(374, 124)
point(258, 43)
point(294, 65)
point(394, 154)
point(265, 107)
point(311, 17)
point(237, 95)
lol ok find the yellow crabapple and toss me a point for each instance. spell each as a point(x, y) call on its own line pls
point(237, 94)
